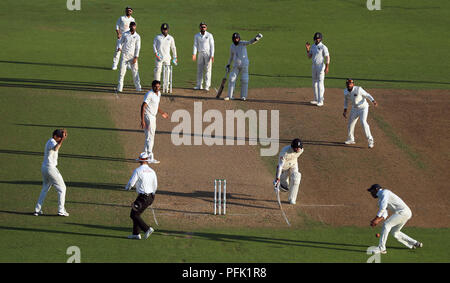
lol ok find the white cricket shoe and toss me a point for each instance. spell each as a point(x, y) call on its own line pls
point(64, 213)
point(37, 213)
point(114, 68)
point(378, 251)
point(320, 104)
point(349, 142)
point(207, 88)
point(226, 98)
point(243, 98)
point(313, 102)
point(417, 245)
point(154, 161)
point(139, 89)
point(135, 237)
point(371, 144)
point(148, 233)
point(197, 88)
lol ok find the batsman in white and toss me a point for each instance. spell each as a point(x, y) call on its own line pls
point(149, 110)
point(238, 55)
point(287, 174)
point(146, 183)
point(320, 56)
point(130, 44)
point(204, 46)
point(50, 174)
point(402, 213)
point(162, 45)
point(360, 109)
point(122, 26)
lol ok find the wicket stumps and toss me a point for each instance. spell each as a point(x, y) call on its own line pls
point(218, 184)
point(167, 79)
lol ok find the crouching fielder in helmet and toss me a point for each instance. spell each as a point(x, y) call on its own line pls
point(287, 176)
point(238, 55)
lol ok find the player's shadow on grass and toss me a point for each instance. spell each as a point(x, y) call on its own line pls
point(358, 79)
point(86, 185)
point(54, 65)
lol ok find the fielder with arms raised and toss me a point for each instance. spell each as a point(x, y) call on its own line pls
point(287, 176)
point(402, 213)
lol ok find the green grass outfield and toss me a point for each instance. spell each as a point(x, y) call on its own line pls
point(52, 59)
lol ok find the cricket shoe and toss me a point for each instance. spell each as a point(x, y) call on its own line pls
point(313, 102)
point(378, 251)
point(283, 188)
point(154, 161)
point(320, 104)
point(349, 142)
point(37, 213)
point(148, 233)
point(135, 237)
point(417, 245)
point(64, 213)
point(371, 144)
point(207, 88)
point(114, 68)
point(243, 98)
point(226, 98)
point(197, 88)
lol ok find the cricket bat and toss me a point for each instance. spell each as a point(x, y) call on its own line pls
point(222, 85)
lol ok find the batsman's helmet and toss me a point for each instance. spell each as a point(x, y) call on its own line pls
point(374, 187)
point(236, 35)
point(297, 143)
point(317, 35)
point(164, 26)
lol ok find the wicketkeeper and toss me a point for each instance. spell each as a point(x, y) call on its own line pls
point(162, 45)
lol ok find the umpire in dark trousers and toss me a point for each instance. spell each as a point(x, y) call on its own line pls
point(146, 183)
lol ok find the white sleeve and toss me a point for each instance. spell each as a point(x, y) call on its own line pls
point(155, 42)
point(383, 202)
point(132, 182)
point(211, 43)
point(280, 166)
point(365, 94)
point(155, 183)
point(173, 47)
point(138, 47)
point(345, 100)
point(118, 23)
point(194, 52)
point(325, 52)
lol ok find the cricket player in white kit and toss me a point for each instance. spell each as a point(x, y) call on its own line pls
point(122, 26)
point(320, 56)
point(50, 174)
point(402, 213)
point(204, 46)
point(238, 55)
point(360, 109)
point(287, 175)
point(162, 45)
point(130, 44)
point(146, 183)
point(149, 110)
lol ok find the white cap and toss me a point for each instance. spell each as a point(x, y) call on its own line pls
point(143, 157)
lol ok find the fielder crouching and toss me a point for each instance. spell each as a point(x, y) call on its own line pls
point(287, 176)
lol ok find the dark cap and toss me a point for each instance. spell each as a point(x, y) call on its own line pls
point(132, 24)
point(349, 80)
point(297, 143)
point(164, 26)
point(128, 8)
point(202, 24)
point(374, 187)
point(317, 35)
point(58, 133)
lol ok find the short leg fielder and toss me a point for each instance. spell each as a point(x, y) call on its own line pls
point(52, 177)
point(361, 114)
point(291, 178)
point(134, 71)
point(243, 71)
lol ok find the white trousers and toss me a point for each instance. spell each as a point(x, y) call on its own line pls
point(52, 177)
point(292, 179)
point(361, 114)
point(318, 78)
point(158, 69)
point(393, 225)
point(150, 134)
point(116, 55)
point(243, 71)
point(127, 61)
point(204, 64)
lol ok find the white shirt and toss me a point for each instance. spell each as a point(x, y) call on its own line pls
point(238, 53)
point(204, 43)
point(152, 99)
point(287, 159)
point(130, 44)
point(50, 154)
point(123, 23)
point(162, 45)
point(389, 200)
point(144, 179)
point(358, 98)
point(319, 52)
